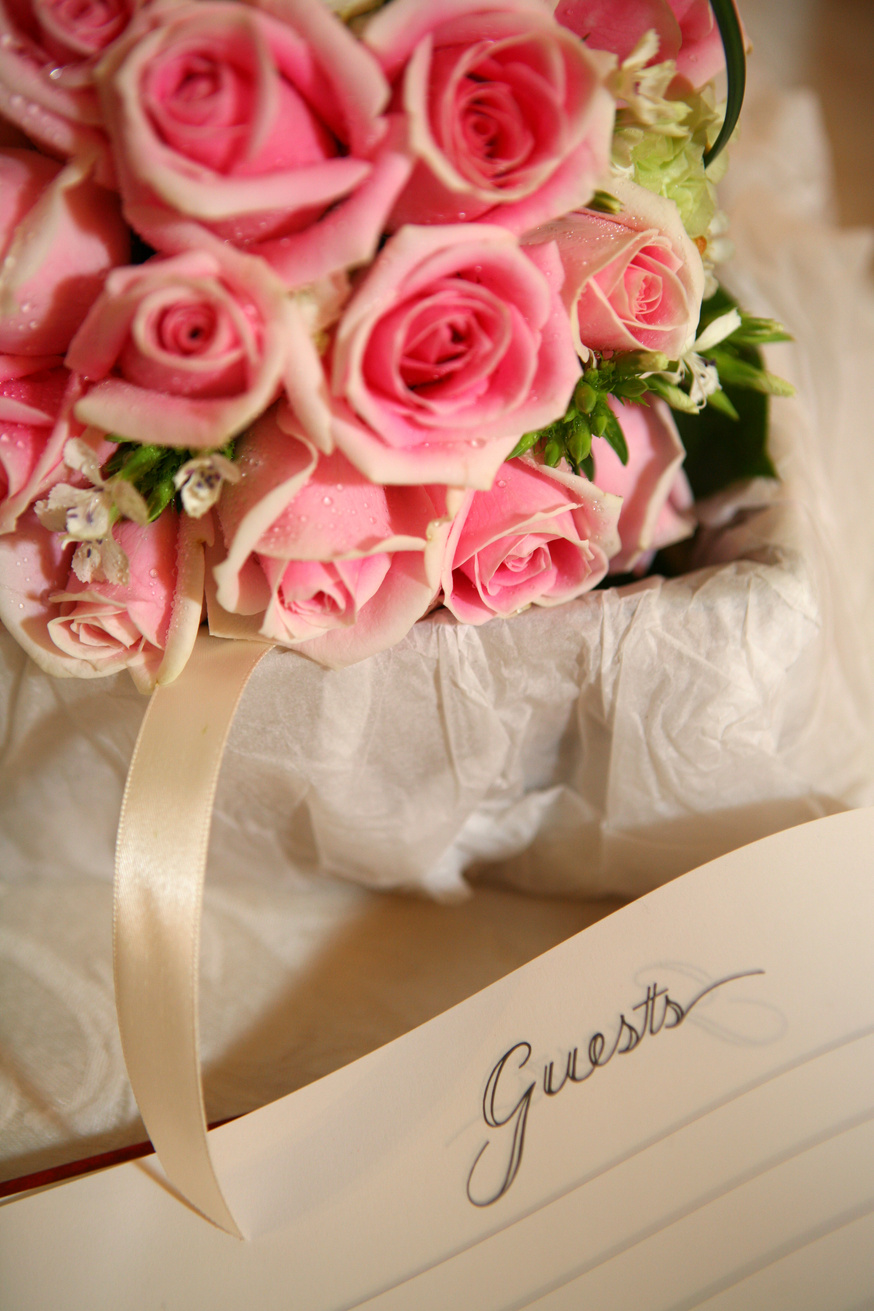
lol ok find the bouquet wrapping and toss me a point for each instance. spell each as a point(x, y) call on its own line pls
point(593, 741)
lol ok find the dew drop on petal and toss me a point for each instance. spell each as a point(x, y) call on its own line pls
point(326, 500)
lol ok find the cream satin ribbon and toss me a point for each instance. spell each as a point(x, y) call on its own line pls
point(160, 862)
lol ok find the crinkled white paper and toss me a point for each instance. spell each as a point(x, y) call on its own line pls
point(602, 747)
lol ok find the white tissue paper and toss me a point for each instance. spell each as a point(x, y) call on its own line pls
point(599, 748)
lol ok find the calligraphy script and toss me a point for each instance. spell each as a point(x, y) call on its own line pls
point(660, 1012)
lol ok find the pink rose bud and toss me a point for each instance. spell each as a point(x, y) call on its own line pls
point(60, 234)
point(538, 536)
point(656, 497)
point(88, 630)
point(262, 128)
point(33, 390)
point(454, 344)
point(633, 281)
point(186, 351)
point(319, 558)
point(686, 29)
point(48, 51)
point(509, 119)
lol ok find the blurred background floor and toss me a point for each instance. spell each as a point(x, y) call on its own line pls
point(827, 45)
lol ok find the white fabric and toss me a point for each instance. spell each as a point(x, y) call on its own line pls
point(598, 748)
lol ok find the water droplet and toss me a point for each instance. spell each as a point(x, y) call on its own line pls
point(55, 73)
point(502, 482)
point(372, 520)
point(153, 573)
point(476, 441)
point(26, 307)
point(326, 500)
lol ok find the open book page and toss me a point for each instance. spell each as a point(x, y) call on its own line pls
point(674, 1108)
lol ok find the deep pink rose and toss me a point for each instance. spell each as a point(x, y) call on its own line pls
point(261, 125)
point(60, 234)
point(34, 393)
point(509, 120)
point(455, 343)
point(686, 30)
point(88, 630)
point(187, 350)
point(319, 558)
point(48, 51)
point(633, 280)
point(538, 536)
point(656, 497)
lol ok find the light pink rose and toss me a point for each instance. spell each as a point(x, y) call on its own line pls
point(454, 344)
point(509, 119)
point(656, 497)
point(319, 558)
point(34, 395)
point(632, 281)
point(261, 124)
point(74, 629)
point(539, 536)
point(186, 350)
point(48, 50)
point(60, 234)
point(686, 30)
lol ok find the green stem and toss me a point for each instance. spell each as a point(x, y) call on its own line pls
point(736, 69)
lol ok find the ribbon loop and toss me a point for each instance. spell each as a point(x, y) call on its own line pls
point(161, 850)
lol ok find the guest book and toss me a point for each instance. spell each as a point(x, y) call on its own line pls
point(673, 1109)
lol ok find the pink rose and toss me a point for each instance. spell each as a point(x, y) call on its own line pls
point(318, 558)
point(702, 54)
point(454, 344)
point(60, 234)
point(48, 50)
point(186, 351)
point(686, 29)
point(33, 391)
point(656, 497)
point(88, 630)
point(633, 281)
point(509, 119)
point(263, 128)
point(539, 536)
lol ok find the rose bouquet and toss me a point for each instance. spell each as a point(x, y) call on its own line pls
point(322, 320)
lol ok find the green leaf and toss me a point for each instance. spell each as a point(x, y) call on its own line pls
point(616, 437)
point(524, 444)
point(721, 450)
point(759, 332)
point(604, 203)
point(719, 401)
point(675, 396)
point(736, 70)
point(160, 497)
point(744, 373)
